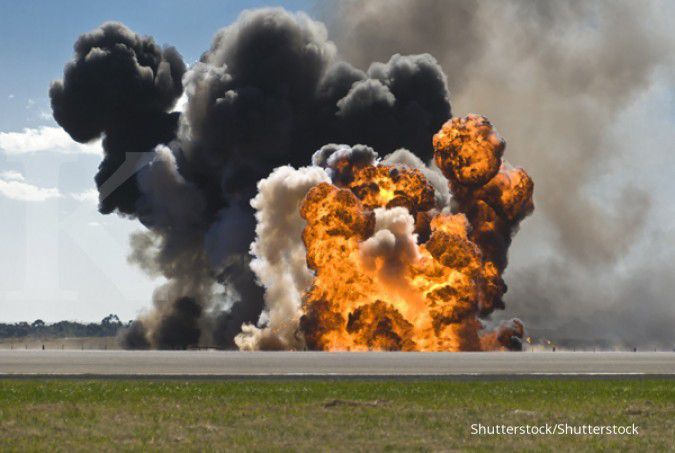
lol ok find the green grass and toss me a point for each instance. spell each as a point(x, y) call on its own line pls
point(327, 414)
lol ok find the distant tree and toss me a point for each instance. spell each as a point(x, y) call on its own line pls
point(111, 320)
point(108, 327)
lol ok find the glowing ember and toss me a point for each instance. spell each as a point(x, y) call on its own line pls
point(392, 272)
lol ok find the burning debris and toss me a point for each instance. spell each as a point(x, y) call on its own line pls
point(352, 252)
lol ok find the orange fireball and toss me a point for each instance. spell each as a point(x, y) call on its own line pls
point(392, 272)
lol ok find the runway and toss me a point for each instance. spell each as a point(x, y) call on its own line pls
point(340, 364)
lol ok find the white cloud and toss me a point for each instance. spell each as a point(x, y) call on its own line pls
point(89, 196)
point(13, 186)
point(44, 138)
point(11, 96)
point(11, 175)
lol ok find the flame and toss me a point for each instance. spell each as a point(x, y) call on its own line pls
point(383, 186)
point(394, 273)
point(468, 150)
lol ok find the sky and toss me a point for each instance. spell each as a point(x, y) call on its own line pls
point(61, 259)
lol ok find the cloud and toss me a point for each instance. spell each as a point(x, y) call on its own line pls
point(13, 186)
point(89, 196)
point(44, 138)
point(11, 175)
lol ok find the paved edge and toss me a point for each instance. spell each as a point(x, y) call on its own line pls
point(350, 377)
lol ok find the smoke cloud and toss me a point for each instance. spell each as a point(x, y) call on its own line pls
point(273, 89)
point(557, 77)
point(270, 91)
point(393, 243)
point(280, 262)
point(120, 85)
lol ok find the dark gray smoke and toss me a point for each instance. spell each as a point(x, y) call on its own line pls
point(122, 86)
point(270, 91)
point(557, 78)
point(341, 160)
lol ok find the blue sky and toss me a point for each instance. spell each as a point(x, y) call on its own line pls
point(61, 258)
point(38, 39)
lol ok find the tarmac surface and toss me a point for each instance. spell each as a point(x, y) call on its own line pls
point(233, 364)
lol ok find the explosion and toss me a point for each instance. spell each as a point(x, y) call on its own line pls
point(353, 252)
point(392, 272)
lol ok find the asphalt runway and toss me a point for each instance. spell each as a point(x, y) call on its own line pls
point(188, 364)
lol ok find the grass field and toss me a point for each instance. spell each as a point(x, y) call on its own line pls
point(328, 414)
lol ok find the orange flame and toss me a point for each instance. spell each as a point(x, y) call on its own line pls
point(393, 273)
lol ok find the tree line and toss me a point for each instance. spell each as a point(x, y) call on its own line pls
point(38, 328)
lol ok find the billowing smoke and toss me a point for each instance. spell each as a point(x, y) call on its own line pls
point(280, 262)
point(270, 91)
point(393, 244)
point(273, 89)
point(122, 86)
point(341, 160)
point(566, 82)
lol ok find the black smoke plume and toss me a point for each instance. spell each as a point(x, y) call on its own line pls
point(270, 91)
point(122, 86)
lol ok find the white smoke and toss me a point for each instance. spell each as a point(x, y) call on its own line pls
point(280, 257)
point(393, 244)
